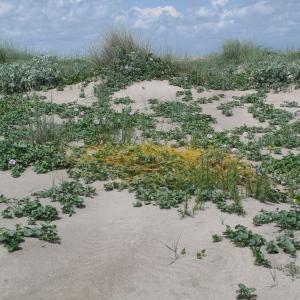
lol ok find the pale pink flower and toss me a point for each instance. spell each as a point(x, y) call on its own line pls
point(245, 135)
point(12, 162)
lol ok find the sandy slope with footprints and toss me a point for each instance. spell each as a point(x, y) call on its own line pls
point(111, 250)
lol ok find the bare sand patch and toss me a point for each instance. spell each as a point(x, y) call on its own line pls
point(28, 182)
point(111, 250)
point(240, 117)
point(71, 94)
point(142, 91)
point(227, 95)
point(278, 99)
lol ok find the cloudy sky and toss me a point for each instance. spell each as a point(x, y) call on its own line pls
point(185, 26)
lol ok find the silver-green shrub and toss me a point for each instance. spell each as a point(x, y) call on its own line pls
point(41, 71)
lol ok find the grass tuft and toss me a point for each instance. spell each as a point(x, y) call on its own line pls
point(115, 45)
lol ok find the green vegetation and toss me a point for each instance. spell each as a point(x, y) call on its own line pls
point(10, 53)
point(184, 167)
point(201, 254)
point(242, 237)
point(216, 238)
point(69, 195)
point(246, 293)
point(283, 219)
point(11, 239)
point(32, 209)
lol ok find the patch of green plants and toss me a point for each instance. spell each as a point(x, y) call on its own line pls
point(285, 171)
point(271, 247)
point(266, 112)
point(21, 76)
point(10, 53)
point(187, 95)
point(227, 107)
point(288, 244)
point(187, 116)
point(17, 156)
point(167, 176)
point(68, 194)
point(245, 292)
point(12, 238)
point(284, 219)
point(216, 238)
point(222, 200)
point(242, 237)
point(32, 209)
point(115, 185)
point(201, 254)
point(274, 73)
point(292, 270)
point(3, 199)
point(125, 101)
point(289, 104)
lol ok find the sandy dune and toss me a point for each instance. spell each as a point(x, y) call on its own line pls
point(142, 91)
point(113, 251)
point(71, 94)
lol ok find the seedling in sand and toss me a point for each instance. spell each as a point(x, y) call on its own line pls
point(174, 249)
point(201, 254)
point(216, 238)
point(246, 293)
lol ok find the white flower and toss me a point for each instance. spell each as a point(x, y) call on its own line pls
point(76, 109)
point(234, 150)
point(245, 135)
point(12, 162)
point(96, 122)
point(81, 113)
point(209, 136)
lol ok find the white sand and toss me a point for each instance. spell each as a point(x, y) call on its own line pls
point(142, 91)
point(71, 94)
point(113, 251)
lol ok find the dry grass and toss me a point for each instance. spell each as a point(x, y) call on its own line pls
point(116, 44)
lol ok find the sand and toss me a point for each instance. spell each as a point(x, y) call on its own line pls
point(111, 250)
point(142, 91)
point(71, 94)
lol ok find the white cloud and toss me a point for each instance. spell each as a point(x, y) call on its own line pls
point(147, 16)
point(205, 12)
point(259, 7)
point(156, 12)
point(219, 2)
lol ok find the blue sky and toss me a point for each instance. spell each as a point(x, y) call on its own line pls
point(185, 26)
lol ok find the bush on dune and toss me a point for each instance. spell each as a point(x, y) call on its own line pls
point(121, 52)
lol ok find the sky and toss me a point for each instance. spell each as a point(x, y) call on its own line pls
point(186, 27)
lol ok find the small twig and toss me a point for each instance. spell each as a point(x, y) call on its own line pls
point(274, 277)
point(173, 249)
